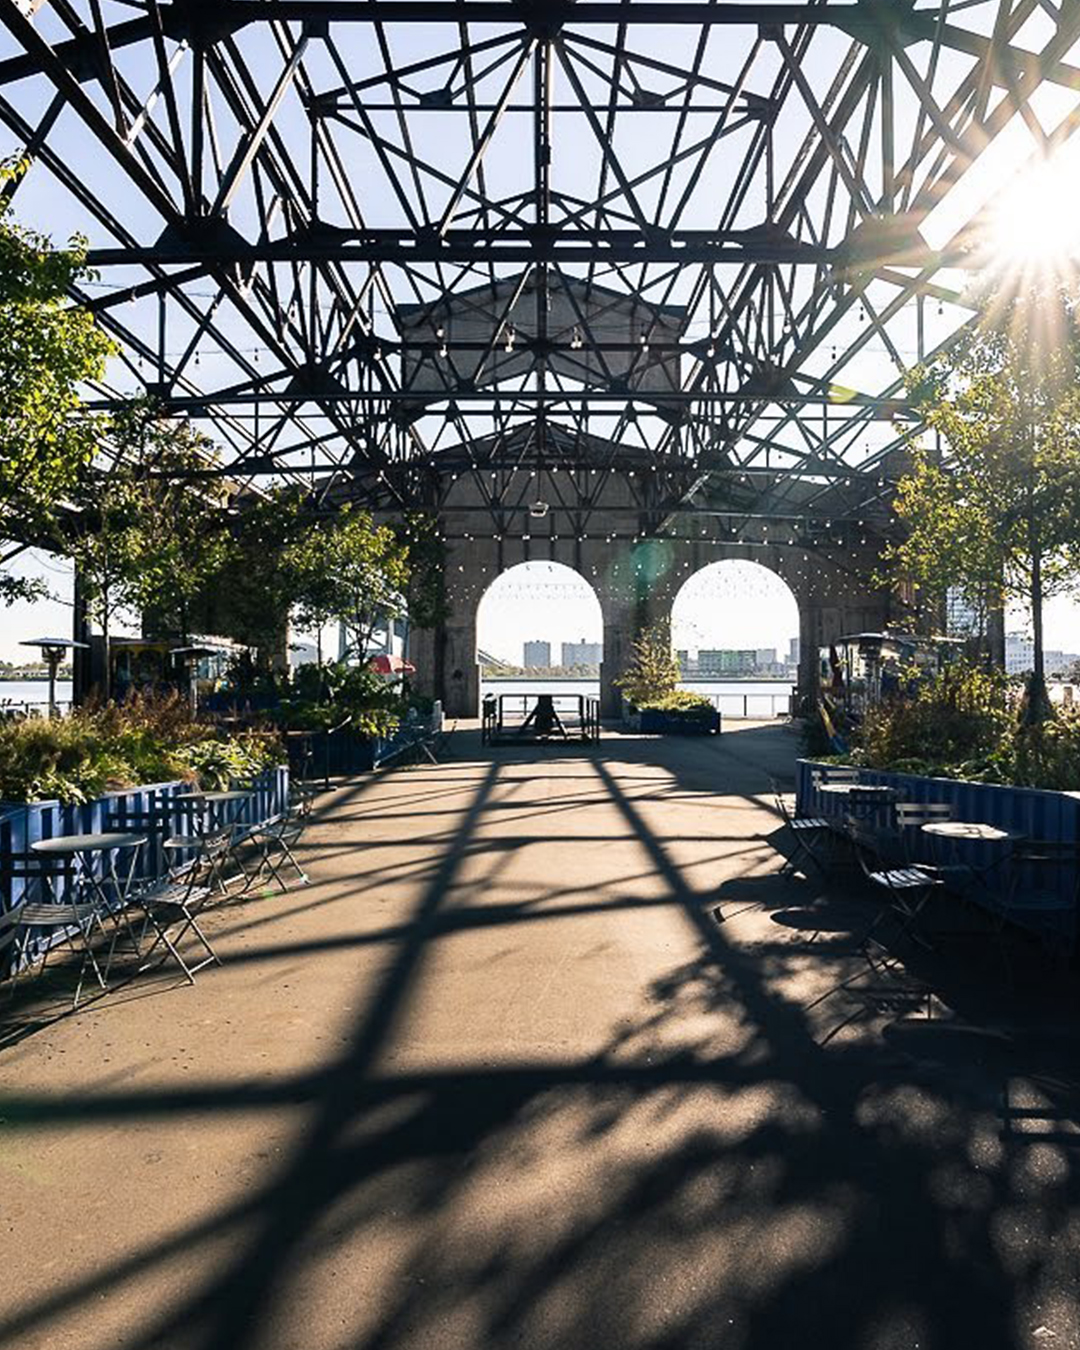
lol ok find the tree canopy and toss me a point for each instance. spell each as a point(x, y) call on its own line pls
point(347, 567)
point(48, 348)
point(998, 514)
point(653, 672)
point(178, 536)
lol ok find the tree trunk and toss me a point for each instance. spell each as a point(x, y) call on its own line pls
point(1038, 707)
point(106, 679)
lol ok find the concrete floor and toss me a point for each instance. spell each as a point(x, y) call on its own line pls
point(549, 1056)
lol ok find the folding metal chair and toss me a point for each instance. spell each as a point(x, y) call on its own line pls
point(910, 819)
point(881, 858)
point(277, 839)
point(63, 916)
point(192, 851)
point(834, 773)
point(1042, 895)
point(171, 907)
point(808, 835)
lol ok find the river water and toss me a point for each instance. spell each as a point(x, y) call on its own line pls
point(33, 692)
point(734, 698)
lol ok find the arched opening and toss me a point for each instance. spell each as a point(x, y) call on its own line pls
point(538, 625)
point(735, 627)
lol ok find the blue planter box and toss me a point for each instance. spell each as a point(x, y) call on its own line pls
point(1032, 812)
point(347, 752)
point(652, 722)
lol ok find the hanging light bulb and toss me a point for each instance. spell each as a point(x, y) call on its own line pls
point(510, 337)
point(575, 341)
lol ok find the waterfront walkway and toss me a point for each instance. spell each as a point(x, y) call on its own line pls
point(548, 1057)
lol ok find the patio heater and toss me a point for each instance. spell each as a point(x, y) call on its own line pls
point(53, 650)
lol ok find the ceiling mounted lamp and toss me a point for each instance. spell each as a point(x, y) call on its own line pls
point(538, 510)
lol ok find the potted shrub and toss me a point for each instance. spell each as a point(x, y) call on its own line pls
point(657, 705)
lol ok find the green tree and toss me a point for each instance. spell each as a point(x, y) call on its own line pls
point(653, 673)
point(180, 541)
point(103, 538)
point(1000, 514)
point(48, 348)
point(347, 567)
point(425, 555)
point(263, 585)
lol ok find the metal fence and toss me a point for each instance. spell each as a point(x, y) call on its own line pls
point(511, 717)
point(19, 707)
point(758, 707)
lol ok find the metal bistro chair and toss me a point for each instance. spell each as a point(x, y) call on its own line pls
point(910, 819)
point(172, 906)
point(834, 773)
point(908, 886)
point(73, 921)
point(277, 839)
point(1042, 894)
point(810, 835)
point(188, 850)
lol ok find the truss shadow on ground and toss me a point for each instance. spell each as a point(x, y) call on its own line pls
point(728, 1166)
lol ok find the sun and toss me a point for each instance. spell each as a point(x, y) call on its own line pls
point(1035, 224)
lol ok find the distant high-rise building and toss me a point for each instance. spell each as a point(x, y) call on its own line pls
point(793, 652)
point(962, 618)
point(1019, 653)
point(766, 657)
point(537, 655)
point(723, 662)
point(581, 653)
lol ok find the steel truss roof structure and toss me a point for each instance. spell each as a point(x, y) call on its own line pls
point(371, 239)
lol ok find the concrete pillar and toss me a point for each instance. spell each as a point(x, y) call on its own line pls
point(424, 650)
point(461, 687)
point(810, 639)
point(620, 630)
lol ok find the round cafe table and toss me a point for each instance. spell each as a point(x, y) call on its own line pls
point(972, 848)
point(210, 800)
point(108, 888)
point(83, 846)
point(970, 831)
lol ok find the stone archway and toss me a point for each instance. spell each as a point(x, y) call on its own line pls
point(735, 619)
point(542, 602)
